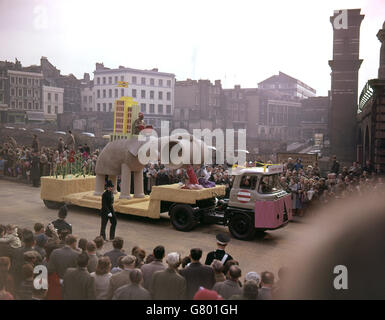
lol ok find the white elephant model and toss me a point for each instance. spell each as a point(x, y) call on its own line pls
point(121, 157)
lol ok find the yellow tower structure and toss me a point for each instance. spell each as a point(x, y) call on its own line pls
point(126, 112)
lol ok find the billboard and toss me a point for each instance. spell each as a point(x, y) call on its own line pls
point(307, 159)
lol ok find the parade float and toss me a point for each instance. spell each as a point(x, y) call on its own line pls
point(257, 202)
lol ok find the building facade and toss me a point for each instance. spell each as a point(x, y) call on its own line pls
point(198, 105)
point(52, 100)
point(314, 117)
point(287, 86)
point(235, 108)
point(153, 90)
point(344, 85)
point(371, 117)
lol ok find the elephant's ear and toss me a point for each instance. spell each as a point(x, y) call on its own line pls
point(135, 144)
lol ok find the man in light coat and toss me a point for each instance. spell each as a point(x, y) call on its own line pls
point(169, 284)
point(121, 278)
point(230, 286)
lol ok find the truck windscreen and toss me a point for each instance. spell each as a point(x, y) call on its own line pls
point(269, 184)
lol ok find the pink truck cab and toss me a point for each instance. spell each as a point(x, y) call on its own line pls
point(257, 202)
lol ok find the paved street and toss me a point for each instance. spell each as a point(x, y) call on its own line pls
point(21, 205)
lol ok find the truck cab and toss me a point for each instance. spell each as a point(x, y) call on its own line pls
point(257, 202)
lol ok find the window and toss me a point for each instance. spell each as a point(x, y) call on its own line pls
point(134, 93)
point(85, 99)
point(104, 107)
point(248, 182)
point(110, 80)
point(160, 95)
point(20, 80)
point(168, 83)
point(98, 93)
point(133, 79)
point(168, 109)
point(269, 184)
point(98, 80)
point(143, 107)
point(152, 108)
point(110, 107)
point(90, 99)
point(160, 108)
point(160, 83)
point(49, 96)
point(151, 94)
point(29, 92)
point(12, 92)
point(57, 97)
point(20, 92)
point(116, 93)
point(56, 109)
point(49, 109)
point(104, 93)
point(12, 79)
point(104, 80)
point(98, 107)
point(152, 82)
point(168, 96)
point(25, 81)
point(110, 93)
point(122, 92)
point(29, 82)
point(143, 94)
point(29, 105)
point(121, 78)
point(20, 105)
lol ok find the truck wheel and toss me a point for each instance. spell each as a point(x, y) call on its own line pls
point(182, 217)
point(53, 204)
point(241, 226)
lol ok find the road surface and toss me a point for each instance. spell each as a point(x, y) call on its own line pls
point(21, 205)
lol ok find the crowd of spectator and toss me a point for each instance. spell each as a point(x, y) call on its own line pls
point(29, 163)
point(81, 269)
point(310, 190)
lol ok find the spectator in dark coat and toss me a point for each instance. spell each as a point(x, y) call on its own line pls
point(64, 258)
point(60, 224)
point(93, 259)
point(230, 287)
point(168, 284)
point(197, 275)
point(78, 283)
point(115, 253)
point(157, 265)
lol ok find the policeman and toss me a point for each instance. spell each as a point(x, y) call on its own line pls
point(219, 254)
point(107, 212)
point(60, 224)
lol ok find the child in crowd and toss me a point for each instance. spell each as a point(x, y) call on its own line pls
point(11, 237)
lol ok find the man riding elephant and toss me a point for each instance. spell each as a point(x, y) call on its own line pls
point(139, 124)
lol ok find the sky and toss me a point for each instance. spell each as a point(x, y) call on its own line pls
point(239, 42)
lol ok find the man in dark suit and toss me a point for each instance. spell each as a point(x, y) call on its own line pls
point(219, 254)
point(60, 224)
point(78, 283)
point(197, 275)
point(231, 286)
point(116, 252)
point(64, 258)
point(107, 212)
point(149, 269)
